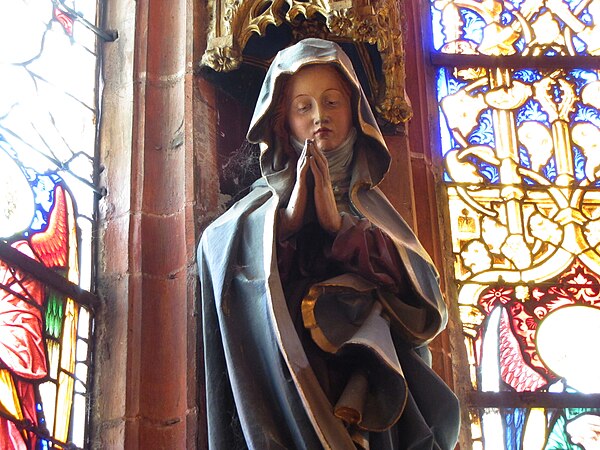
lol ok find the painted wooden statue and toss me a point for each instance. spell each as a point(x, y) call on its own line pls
point(318, 299)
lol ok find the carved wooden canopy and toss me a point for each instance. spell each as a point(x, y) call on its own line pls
point(372, 22)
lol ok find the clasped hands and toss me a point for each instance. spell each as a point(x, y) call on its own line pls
point(311, 160)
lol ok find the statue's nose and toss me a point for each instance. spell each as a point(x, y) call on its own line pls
point(320, 115)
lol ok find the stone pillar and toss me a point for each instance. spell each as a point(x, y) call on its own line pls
point(146, 358)
point(159, 237)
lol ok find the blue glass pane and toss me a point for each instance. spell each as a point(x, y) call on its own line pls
point(472, 110)
point(518, 27)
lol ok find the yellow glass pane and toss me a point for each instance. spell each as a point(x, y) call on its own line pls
point(64, 401)
point(521, 153)
point(53, 349)
point(9, 400)
point(69, 336)
point(534, 436)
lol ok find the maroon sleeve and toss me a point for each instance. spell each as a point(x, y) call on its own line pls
point(366, 250)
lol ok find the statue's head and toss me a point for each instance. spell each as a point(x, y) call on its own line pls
point(317, 105)
point(312, 78)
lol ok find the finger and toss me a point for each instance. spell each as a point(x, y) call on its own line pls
point(321, 172)
point(302, 164)
point(318, 176)
point(309, 144)
point(319, 155)
point(305, 154)
point(309, 148)
point(323, 193)
point(322, 162)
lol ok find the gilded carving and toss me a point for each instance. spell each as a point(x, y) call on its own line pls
point(222, 59)
point(310, 28)
point(375, 22)
point(308, 9)
point(366, 30)
point(341, 22)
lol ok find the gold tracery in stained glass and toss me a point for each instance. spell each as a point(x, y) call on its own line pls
point(529, 28)
point(520, 147)
point(517, 161)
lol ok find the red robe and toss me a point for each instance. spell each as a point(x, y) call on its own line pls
point(21, 351)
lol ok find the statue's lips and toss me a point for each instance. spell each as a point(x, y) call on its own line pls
point(322, 132)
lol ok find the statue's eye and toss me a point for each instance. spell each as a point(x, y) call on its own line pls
point(303, 107)
point(333, 100)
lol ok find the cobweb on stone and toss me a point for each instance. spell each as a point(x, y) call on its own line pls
point(240, 170)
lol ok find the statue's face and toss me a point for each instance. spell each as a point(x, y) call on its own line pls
point(319, 107)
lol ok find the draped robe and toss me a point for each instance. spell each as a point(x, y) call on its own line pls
point(262, 386)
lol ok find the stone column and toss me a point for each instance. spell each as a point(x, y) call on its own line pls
point(160, 254)
point(146, 358)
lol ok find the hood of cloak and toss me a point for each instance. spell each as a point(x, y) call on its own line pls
point(313, 51)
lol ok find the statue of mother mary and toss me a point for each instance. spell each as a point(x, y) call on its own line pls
point(318, 300)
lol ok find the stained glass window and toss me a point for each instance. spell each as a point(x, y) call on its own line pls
point(48, 112)
point(519, 99)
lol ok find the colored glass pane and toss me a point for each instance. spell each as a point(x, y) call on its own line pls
point(526, 428)
point(522, 176)
point(528, 28)
point(48, 114)
point(552, 119)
